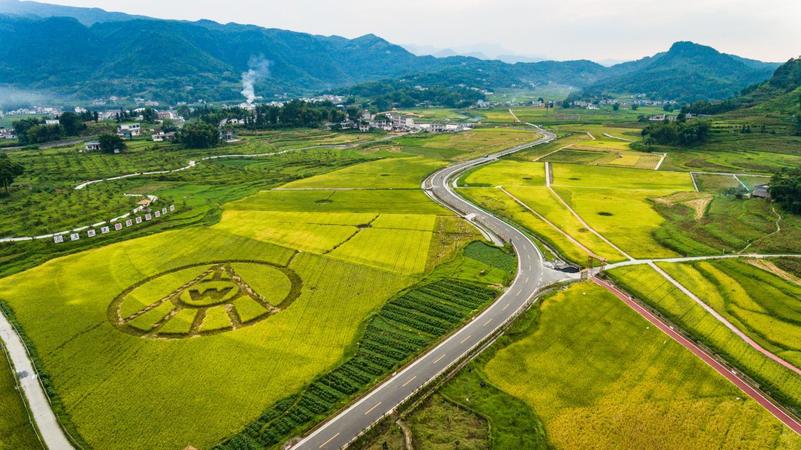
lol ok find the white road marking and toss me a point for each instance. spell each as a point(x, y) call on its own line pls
point(409, 381)
point(438, 359)
point(328, 441)
point(504, 308)
point(487, 322)
point(371, 409)
point(465, 339)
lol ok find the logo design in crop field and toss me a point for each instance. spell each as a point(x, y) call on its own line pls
point(203, 299)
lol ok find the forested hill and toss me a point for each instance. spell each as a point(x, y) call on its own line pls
point(92, 53)
point(686, 72)
point(175, 60)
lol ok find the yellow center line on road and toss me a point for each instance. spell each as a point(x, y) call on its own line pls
point(409, 381)
point(438, 359)
point(328, 441)
point(371, 409)
point(465, 339)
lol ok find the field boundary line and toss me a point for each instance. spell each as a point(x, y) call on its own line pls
point(704, 355)
point(618, 138)
point(514, 115)
point(553, 152)
point(661, 160)
point(719, 317)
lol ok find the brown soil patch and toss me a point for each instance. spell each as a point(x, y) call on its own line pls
point(774, 269)
point(697, 201)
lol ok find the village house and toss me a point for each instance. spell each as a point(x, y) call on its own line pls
point(92, 146)
point(52, 122)
point(6, 133)
point(228, 135)
point(129, 130)
point(162, 136)
point(761, 191)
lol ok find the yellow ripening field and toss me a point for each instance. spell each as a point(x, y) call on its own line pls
point(507, 173)
point(383, 173)
point(600, 377)
point(121, 389)
point(616, 202)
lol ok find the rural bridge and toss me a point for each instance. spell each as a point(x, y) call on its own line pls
point(532, 276)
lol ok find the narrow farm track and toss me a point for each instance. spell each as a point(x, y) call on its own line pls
point(731, 375)
point(532, 275)
point(50, 431)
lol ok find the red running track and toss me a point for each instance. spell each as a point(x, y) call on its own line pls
point(777, 411)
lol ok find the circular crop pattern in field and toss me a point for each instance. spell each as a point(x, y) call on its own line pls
point(203, 299)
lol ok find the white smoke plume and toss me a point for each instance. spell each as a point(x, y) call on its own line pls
point(258, 68)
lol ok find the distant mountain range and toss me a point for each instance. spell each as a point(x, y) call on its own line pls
point(90, 53)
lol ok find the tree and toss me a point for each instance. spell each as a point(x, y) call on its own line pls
point(635, 107)
point(199, 135)
point(676, 133)
point(111, 143)
point(71, 123)
point(616, 107)
point(798, 125)
point(149, 115)
point(785, 189)
point(9, 170)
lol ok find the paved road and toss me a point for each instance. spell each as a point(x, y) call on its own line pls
point(705, 356)
point(532, 275)
point(49, 429)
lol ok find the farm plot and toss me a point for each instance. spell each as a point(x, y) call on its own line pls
point(506, 173)
point(759, 303)
point(389, 201)
point(462, 146)
point(617, 202)
point(120, 389)
point(396, 242)
point(384, 173)
point(657, 292)
point(595, 389)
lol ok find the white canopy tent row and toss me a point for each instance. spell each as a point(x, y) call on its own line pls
point(119, 223)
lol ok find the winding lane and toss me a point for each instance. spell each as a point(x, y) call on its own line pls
point(532, 275)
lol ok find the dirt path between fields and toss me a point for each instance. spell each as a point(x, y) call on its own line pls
point(514, 115)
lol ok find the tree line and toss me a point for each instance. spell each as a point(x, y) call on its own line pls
point(36, 131)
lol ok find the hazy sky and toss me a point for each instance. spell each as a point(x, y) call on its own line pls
point(558, 29)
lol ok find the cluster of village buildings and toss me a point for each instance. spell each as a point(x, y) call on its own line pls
point(399, 122)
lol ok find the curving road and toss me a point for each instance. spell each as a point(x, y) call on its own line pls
point(532, 275)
